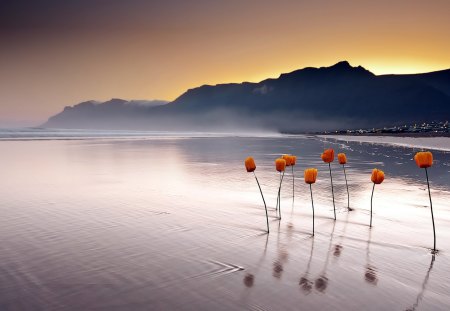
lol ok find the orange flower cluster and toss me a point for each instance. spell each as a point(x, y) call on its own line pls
point(422, 159)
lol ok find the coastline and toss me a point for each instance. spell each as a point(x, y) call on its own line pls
point(441, 143)
point(410, 134)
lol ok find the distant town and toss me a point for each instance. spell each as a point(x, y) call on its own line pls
point(434, 128)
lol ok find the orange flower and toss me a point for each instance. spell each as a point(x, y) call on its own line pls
point(310, 175)
point(287, 158)
point(424, 159)
point(293, 160)
point(377, 176)
point(250, 164)
point(280, 164)
point(328, 156)
point(342, 158)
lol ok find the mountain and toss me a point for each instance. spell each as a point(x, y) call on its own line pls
point(115, 113)
point(309, 99)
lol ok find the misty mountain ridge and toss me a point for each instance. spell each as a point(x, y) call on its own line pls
point(304, 100)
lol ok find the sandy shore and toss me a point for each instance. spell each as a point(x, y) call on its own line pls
point(178, 224)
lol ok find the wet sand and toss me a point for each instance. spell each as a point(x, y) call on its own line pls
point(177, 224)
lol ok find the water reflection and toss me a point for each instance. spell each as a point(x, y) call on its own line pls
point(370, 274)
point(277, 269)
point(321, 282)
point(305, 283)
point(94, 209)
point(339, 247)
point(249, 278)
point(424, 286)
point(282, 256)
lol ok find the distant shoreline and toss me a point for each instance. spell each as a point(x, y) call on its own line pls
point(424, 134)
point(423, 142)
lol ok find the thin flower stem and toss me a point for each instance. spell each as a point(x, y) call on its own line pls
point(332, 190)
point(432, 216)
point(293, 185)
point(346, 184)
point(371, 199)
point(279, 195)
point(312, 204)
point(265, 206)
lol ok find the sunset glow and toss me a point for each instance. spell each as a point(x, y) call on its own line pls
point(57, 54)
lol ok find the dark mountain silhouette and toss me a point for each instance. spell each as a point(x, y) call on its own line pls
point(309, 99)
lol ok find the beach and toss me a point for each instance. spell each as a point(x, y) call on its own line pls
point(164, 222)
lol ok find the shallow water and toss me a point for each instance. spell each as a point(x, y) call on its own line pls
point(176, 223)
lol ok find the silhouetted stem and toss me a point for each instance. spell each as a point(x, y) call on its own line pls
point(312, 204)
point(431, 206)
point(346, 184)
point(279, 194)
point(278, 198)
point(371, 199)
point(265, 206)
point(292, 185)
point(332, 191)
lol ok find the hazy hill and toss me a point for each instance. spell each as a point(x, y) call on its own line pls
point(340, 96)
point(113, 114)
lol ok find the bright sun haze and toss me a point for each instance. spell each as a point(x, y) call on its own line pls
point(58, 53)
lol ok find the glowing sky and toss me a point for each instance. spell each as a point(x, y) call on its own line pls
point(55, 53)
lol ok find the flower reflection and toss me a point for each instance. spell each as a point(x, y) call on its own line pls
point(305, 283)
point(338, 247)
point(277, 269)
point(249, 279)
point(370, 274)
point(337, 250)
point(424, 286)
point(282, 257)
point(321, 282)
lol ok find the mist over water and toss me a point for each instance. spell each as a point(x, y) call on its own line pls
point(158, 222)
